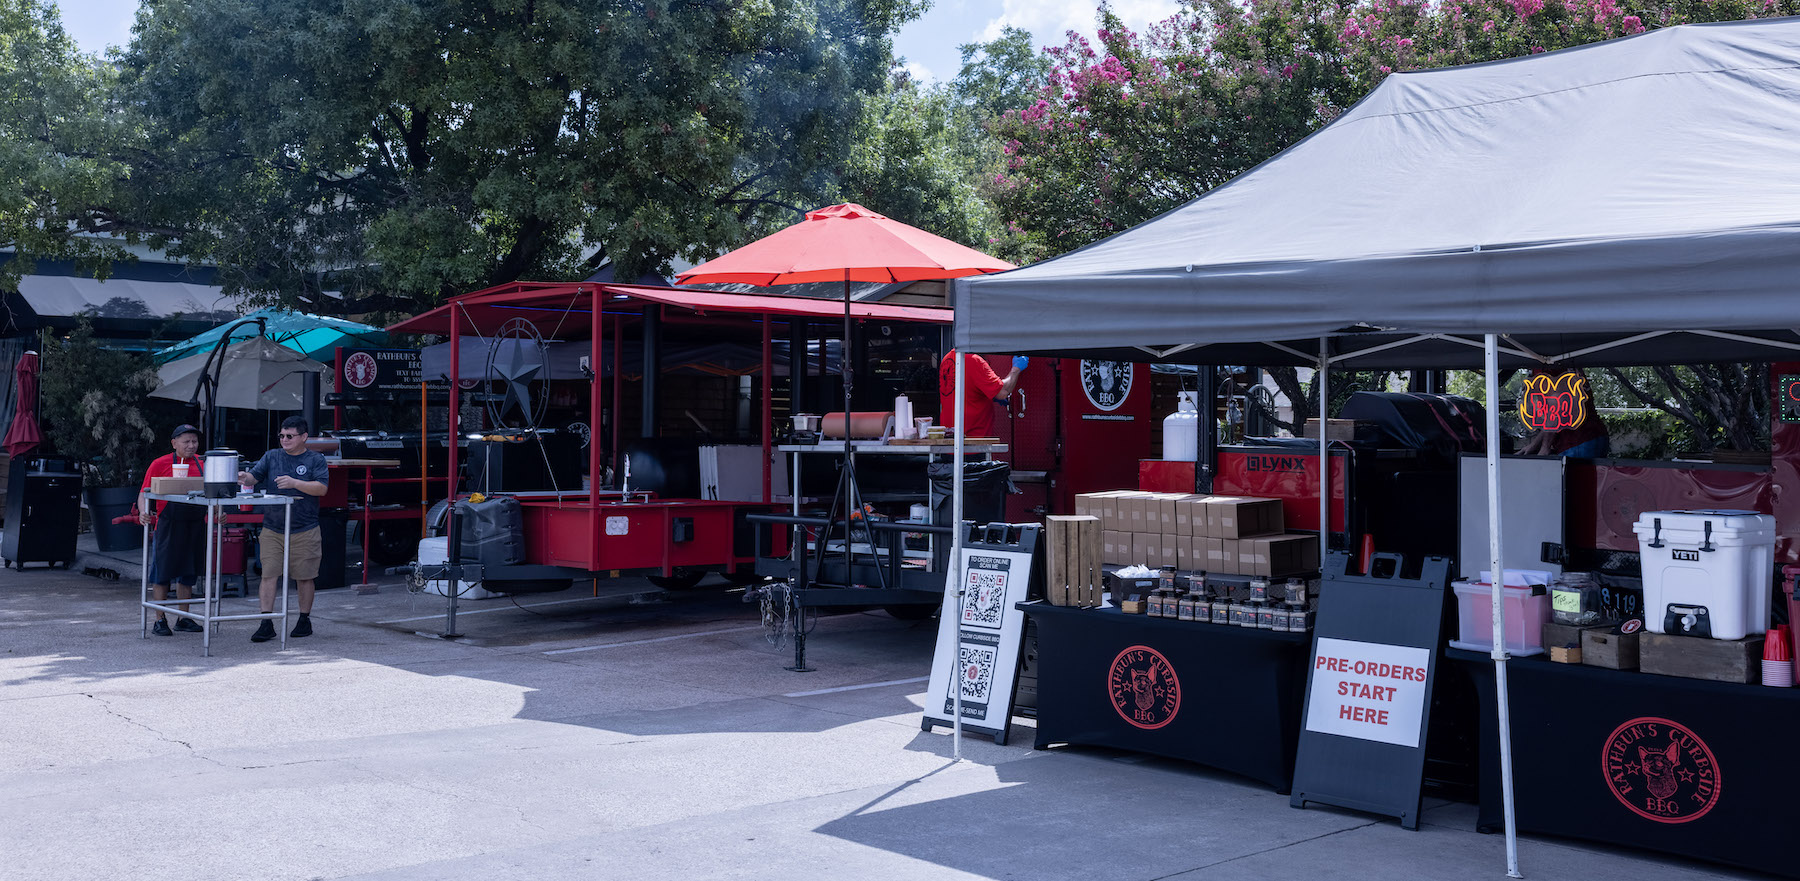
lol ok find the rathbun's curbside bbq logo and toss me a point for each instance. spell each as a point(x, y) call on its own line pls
point(360, 370)
point(1143, 687)
point(1661, 771)
point(1107, 383)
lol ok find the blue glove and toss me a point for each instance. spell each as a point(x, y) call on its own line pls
point(1020, 362)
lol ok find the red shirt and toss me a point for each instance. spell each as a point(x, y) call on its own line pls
point(980, 386)
point(165, 467)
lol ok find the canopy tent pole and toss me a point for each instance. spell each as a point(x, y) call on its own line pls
point(768, 411)
point(453, 535)
point(1498, 579)
point(596, 341)
point(956, 546)
point(1324, 385)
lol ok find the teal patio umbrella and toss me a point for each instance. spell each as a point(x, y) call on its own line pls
point(311, 335)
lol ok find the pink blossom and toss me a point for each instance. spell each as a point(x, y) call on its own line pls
point(1287, 73)
point(1404, 43)
point(1385, 69)
point(1526, 8)
point(1631, 24)
point(1487, 26)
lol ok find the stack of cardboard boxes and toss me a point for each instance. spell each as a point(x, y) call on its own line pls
point(1198, 533)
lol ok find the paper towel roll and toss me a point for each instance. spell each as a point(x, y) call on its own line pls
point(903, 417)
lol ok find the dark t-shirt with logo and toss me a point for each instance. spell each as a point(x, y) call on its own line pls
point(306, 466)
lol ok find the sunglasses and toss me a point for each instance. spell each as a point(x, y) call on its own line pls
point(291, 436)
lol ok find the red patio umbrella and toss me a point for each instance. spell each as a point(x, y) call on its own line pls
point(23, 434)
point(849, 243)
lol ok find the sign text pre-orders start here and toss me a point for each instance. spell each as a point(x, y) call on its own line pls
point(1367, 691)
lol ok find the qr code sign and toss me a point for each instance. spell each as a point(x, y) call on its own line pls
point(977, 672)
point(984, 597)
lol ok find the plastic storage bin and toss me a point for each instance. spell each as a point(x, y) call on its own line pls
point(437, 550)
point(1525, 612)
point(1706, 573)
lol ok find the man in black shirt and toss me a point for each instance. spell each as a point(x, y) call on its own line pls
point(292, 470)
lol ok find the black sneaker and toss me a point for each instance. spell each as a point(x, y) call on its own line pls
point(188, 625)
point(161, 628)
point(302, 627)
point(264, 633)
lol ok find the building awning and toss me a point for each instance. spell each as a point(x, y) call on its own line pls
point(485, 311)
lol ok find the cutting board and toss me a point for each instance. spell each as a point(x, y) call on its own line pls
point(175, 486)
point(938, 442)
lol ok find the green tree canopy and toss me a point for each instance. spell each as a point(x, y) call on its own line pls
point(420, 148)
point(56, 144)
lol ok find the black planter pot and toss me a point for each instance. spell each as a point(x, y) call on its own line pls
point(105, 503)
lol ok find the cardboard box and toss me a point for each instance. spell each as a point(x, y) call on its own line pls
point(1190, 515)
point(1167, 511)
point(1104, 505)
point(1115, 547)
point(176, 486)
point(1215, 556)
point(1238, 517)
point(1275, 555)
point(1169, 553)
point(1145, 549)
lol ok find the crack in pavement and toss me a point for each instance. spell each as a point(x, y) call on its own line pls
point(160, 736)
point(1266, 850)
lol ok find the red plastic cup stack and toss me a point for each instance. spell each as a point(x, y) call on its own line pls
point(1778, 660)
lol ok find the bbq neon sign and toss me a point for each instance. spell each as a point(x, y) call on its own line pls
point(1554, 403)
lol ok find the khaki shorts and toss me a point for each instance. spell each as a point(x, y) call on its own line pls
point(304, 550)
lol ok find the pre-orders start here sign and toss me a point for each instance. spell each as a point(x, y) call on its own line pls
point(1368, 690)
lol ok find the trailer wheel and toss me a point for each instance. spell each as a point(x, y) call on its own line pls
point(683, 579)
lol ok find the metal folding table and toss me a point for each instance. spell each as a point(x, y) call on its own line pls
point(209, 583)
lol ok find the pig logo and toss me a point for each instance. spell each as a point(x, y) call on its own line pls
point(1143, 687)
point(1661, 771)
point(1106, 383)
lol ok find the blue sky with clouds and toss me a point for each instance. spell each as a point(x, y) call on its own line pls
point(929, 44)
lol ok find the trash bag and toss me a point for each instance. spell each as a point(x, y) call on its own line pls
point(985, 487)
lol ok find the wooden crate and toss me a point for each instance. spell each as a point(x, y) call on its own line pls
point(1736, 660)
point(1072, 560)
point(1600, 647)
point(1563, 641)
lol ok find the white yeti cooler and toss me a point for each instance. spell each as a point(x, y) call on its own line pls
point(1706, 573)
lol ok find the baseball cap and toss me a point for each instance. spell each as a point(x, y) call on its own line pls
point(182, 429)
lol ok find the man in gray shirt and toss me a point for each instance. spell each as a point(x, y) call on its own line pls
point(292, 470)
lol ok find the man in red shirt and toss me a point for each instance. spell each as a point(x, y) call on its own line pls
point(179, 542)
point(982, 387)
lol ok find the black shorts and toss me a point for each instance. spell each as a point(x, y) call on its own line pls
point(178, 552)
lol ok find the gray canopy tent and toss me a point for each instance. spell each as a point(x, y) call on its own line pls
point(1626, 202)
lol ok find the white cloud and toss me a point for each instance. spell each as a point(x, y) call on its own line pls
point(920, 73)
point(1050, 20)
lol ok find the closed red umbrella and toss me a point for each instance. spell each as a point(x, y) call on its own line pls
point(23, 434)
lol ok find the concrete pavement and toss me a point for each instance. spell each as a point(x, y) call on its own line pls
point(579, 737)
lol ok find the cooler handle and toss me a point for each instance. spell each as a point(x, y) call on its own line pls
point(1706, 542)
point(1656, 535)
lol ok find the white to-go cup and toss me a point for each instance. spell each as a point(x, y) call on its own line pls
point(181, 469)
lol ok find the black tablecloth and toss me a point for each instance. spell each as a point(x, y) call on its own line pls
point(1679, 765)
point(1233, 702)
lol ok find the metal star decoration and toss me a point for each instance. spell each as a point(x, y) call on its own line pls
point(518, 371)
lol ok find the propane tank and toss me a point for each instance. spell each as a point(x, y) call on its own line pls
point(1181, 430)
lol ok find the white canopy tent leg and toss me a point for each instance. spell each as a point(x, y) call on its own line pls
point(1324, 385)
point(1499, 579)
point(956, 545)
